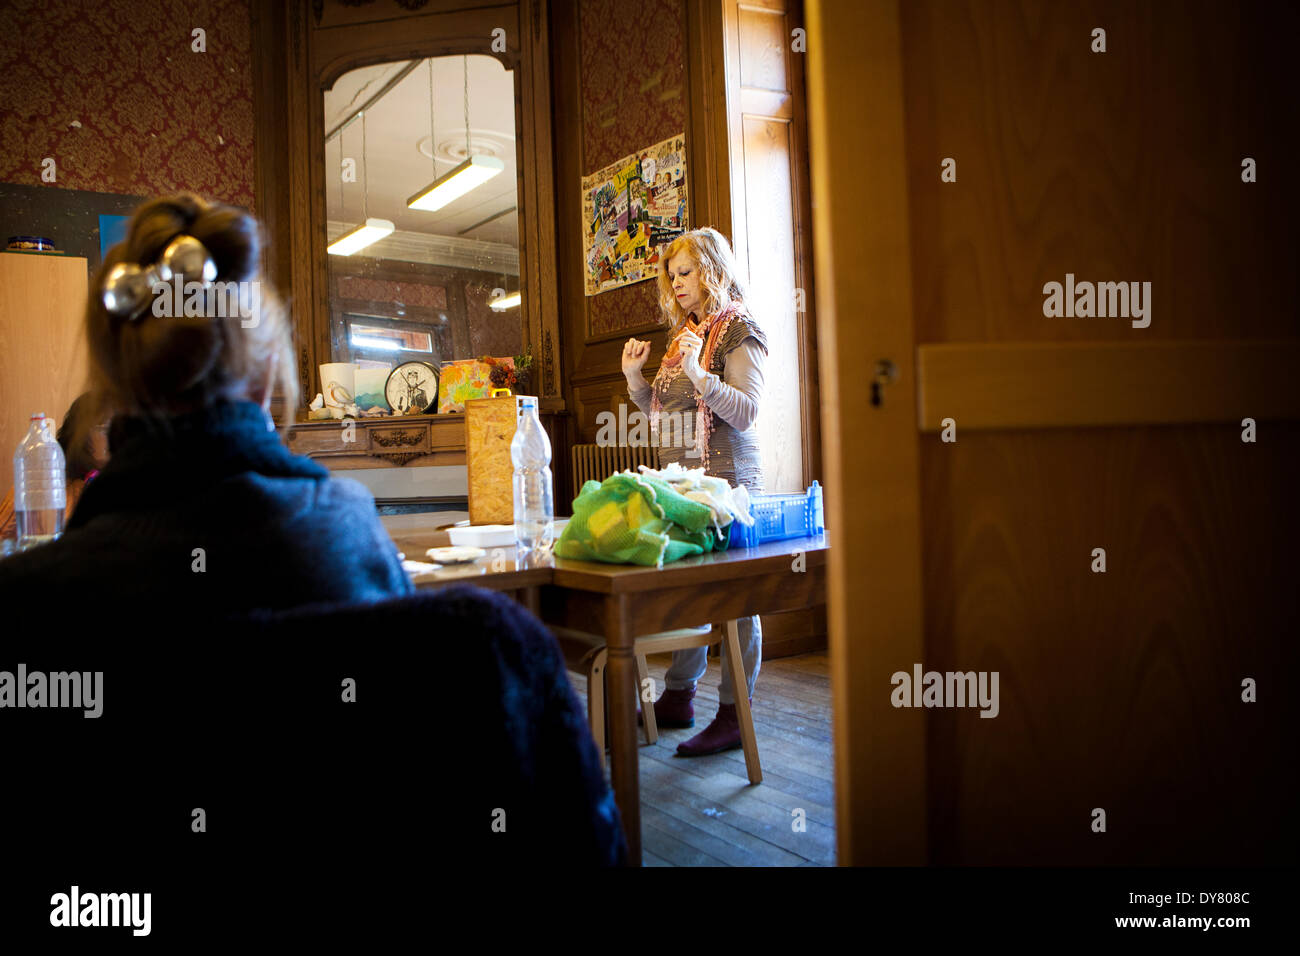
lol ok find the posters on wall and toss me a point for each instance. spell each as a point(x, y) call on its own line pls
point(629, 209)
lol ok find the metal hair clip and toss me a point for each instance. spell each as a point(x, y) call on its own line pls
point(128, 288)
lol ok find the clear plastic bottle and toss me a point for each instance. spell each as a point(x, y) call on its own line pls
point(534, 492)
point(40, 489)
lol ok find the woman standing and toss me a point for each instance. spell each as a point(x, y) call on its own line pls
point(711, 382)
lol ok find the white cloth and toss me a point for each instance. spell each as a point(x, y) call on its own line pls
point(727, 503)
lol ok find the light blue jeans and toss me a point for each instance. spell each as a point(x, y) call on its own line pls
point(690, 665)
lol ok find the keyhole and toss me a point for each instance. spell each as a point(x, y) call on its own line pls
point(886, 374)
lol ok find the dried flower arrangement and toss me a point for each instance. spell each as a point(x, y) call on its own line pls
point(506, 376)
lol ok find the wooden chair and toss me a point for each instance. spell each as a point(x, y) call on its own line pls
point(585, 653)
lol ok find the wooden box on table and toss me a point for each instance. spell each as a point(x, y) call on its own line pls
point(489, 429)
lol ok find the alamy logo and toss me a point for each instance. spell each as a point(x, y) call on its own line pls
point(102, 909)
point(1125, 300)
point(213, 300)
point(947, 689)
point(75, 689)
point(676, 430)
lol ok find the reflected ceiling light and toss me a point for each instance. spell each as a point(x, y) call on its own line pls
point(510, 301)
point(469, 175)
point(370, 231)
point(387, 345)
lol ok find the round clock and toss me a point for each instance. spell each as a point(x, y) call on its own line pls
point(412, 388)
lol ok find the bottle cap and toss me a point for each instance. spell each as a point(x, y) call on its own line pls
point(38, 415)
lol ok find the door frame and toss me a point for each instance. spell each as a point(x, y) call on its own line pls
point(862, 263)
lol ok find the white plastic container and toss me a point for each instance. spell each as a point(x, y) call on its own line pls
point(483, 536)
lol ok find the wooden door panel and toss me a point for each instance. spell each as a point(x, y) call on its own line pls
point(1122, 689)
point(1118, 690)
point(1045, 385)
point(1124, 165)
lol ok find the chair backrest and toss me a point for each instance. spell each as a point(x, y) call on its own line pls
point(472, 686)
point(598, 462)
point(341, 735)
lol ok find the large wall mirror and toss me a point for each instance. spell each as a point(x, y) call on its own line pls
point(422, 215)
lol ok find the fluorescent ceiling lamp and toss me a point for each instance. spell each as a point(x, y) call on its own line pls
point(510, 301)
point(470, 174)
point(371, 231)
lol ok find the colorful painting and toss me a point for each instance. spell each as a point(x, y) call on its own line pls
point(463, 380)
point(370, 387)
point(629, 209)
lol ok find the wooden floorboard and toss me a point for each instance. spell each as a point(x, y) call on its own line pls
point(703, 811)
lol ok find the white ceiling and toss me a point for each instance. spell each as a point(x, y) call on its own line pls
point(397, 159)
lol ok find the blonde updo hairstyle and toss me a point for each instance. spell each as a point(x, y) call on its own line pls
point(713, 259)
point(157, 367)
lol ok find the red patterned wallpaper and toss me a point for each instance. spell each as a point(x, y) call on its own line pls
point(154, 116)
point(633, 95)
point(383, 290)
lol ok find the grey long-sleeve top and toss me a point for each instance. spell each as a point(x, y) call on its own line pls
point(734, 397)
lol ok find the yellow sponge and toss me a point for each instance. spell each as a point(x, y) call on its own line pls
point(601, 521)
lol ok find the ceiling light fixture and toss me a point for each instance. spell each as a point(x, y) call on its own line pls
point(511, 300)
point(469, 175)
point(371, 230)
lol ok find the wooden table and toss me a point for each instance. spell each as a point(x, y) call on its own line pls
point(624, 602)
point(500, 569)
point(627, 602)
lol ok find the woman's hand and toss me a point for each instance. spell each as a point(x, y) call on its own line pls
point(635, 353)
point(690, 344)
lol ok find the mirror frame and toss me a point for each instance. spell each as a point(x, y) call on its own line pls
point(297, 59)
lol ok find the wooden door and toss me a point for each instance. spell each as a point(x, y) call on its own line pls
point(1121, 689)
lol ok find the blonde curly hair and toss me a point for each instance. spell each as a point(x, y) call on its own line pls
point(720, 284)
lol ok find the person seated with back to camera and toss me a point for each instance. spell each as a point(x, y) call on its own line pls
point(201, 505)
point(201, 508)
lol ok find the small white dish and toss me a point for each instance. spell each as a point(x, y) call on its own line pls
point(455, 554)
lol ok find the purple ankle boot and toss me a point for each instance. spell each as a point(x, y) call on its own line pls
point(722, 734)
point(673, 709)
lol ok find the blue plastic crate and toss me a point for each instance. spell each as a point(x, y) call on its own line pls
point(778, 517)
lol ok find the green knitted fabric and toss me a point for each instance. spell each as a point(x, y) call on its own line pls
point(631, 519)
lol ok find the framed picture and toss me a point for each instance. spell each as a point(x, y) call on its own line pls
point(464, 380)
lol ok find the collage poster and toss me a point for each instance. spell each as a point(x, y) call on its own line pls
point(629, 209)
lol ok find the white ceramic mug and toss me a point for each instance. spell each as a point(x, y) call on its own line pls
point(338, 382)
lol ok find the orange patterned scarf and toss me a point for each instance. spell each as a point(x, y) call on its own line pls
point(711, 329)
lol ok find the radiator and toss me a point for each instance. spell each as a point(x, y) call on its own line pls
point(598, 462)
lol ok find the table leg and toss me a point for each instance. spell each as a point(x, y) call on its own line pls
point(621, 688)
